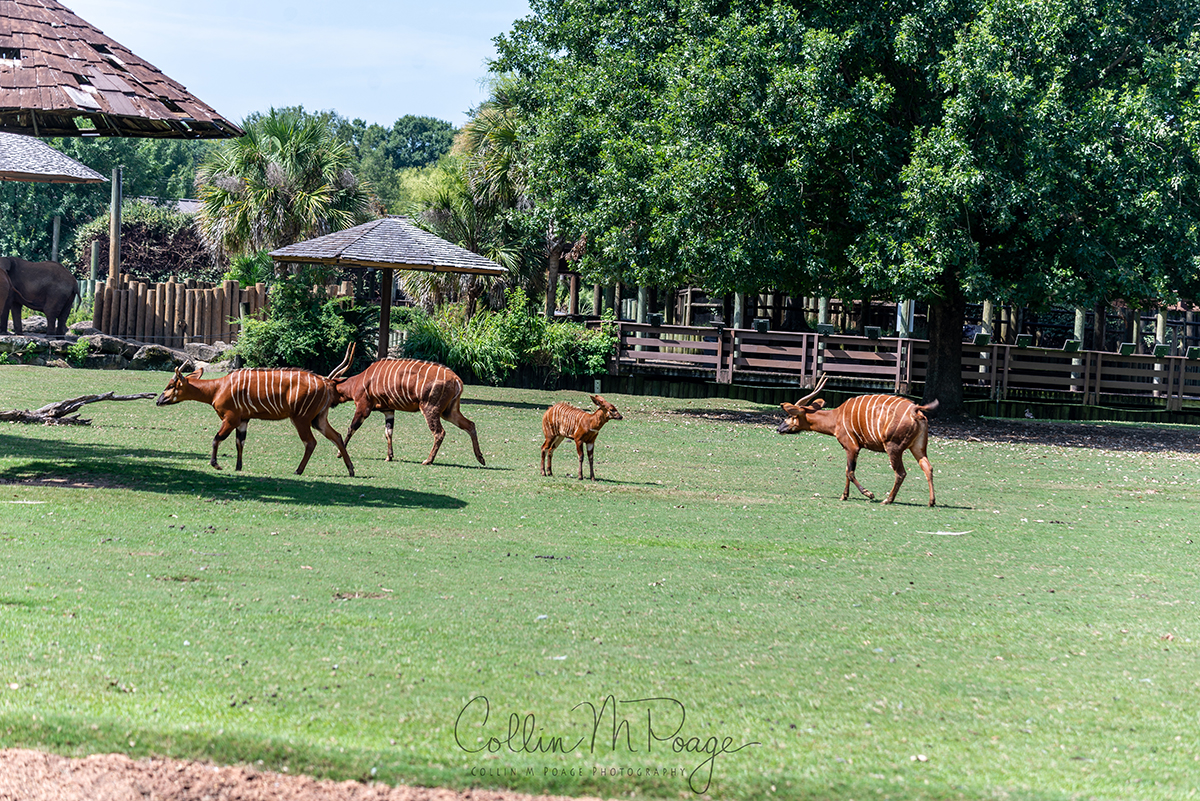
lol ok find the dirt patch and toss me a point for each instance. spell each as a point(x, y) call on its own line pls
point(1110, 437)
point(34, 776)
point(62, 482)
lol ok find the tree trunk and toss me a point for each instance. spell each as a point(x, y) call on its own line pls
point(943, 379)
point(554, 256)
point(1100, 326)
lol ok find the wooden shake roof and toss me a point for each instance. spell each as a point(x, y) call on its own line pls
point(60, 76)
point(388, 242)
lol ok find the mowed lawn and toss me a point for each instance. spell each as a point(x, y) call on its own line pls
point(1034, 636)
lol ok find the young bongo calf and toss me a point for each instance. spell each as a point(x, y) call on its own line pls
point(261, 394)
point(884, 423)
point(562, 421)
point(407, 385)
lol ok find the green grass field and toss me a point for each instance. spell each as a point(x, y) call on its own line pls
point(1033, 637)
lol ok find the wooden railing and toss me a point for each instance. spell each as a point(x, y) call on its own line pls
point(995, 371)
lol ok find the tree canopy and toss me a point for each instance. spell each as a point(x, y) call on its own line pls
point(1025, 150)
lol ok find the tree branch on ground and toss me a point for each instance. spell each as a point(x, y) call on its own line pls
point(64, 412)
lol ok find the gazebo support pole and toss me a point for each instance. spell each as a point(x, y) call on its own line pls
point(387, 286)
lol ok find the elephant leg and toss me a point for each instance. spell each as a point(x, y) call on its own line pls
point(16, 317)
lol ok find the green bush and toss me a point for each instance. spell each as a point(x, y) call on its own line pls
point(82, 311)
point(250, 270)
point(491, 345)
point(305, 328)
point(79, 351)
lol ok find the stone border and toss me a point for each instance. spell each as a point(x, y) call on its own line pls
point(104, 352)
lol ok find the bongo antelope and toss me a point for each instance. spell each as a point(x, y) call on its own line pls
point(564, 421)
point(407, 385)
point(885, 423)
point(263, 394)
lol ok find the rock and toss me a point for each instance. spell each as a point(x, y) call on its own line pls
point(105, 361)
point(83, 328)
point(201, 352)
point(153, 357)
point(33, 325)
point(59, 346)
point(58, 363)
point(14, 343)
point(103, 343)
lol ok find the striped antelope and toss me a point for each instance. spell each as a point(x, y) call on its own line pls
point(564, 421)
point(407, 385)
point(263, 394)
point(884, 423)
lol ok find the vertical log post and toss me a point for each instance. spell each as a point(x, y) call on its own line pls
point(140, 303)
point(55, 232)
point(177, 329)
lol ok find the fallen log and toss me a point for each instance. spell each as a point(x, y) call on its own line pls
point(65, 412)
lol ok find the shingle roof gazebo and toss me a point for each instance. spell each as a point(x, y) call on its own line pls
point(388, 244)
point(23, 158)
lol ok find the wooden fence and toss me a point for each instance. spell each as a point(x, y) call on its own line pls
point(175, 313)
point(727, 355)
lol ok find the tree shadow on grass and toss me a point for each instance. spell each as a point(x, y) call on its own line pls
point(72, 465)
point(506, 404)
point(1152, 438)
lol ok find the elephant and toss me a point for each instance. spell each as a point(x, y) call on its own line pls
point(46, 286)
point(5, 300)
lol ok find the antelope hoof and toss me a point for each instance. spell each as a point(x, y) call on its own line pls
point(215, 465)
point(427, 461)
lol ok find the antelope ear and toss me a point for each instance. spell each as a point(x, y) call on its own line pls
point(197, 374)
point(791, 409)
point(596, 399)
point(818, 404)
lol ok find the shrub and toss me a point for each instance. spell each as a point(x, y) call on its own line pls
point(491, 345)
point(82, 311)
point(157, 242)
point(77, 352)
point(250, 270)
point(305, 328)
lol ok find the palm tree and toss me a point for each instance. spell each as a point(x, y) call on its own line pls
point(491, 143)
point(286, 180)
point(496, 169)
point(451, 212)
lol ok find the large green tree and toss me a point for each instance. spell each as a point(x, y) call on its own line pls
point(1064, 166)
point(920, 149)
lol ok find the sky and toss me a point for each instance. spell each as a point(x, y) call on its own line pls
point(377, 60)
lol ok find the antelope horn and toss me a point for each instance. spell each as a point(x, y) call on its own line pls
point(816, 391)
point(340, 370)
